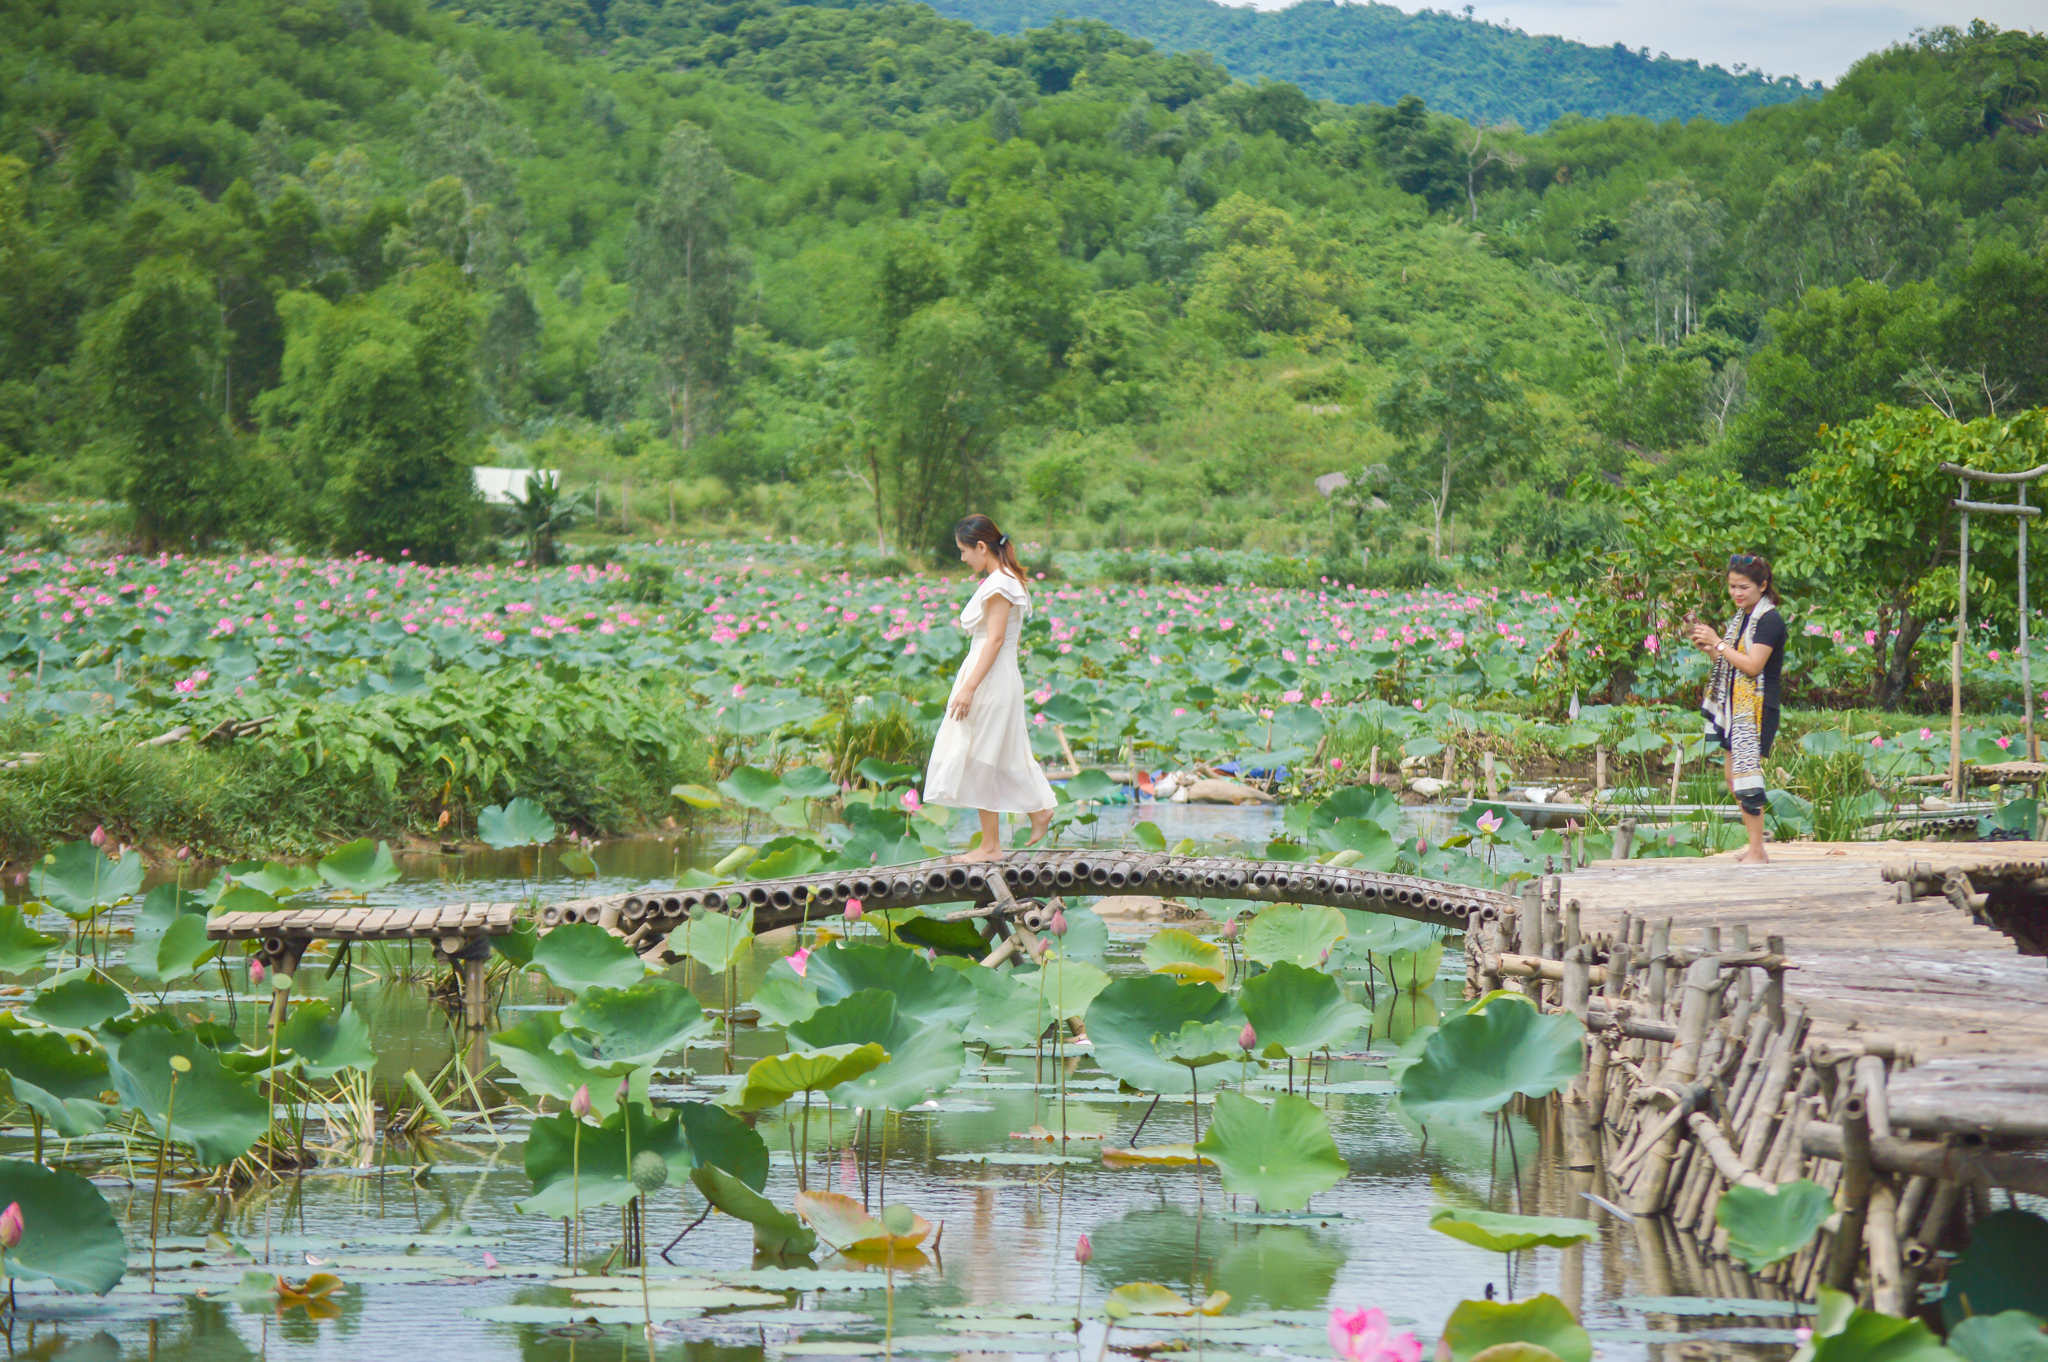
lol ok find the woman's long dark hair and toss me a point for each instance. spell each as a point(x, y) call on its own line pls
point(1756, 568)
point(979, 529)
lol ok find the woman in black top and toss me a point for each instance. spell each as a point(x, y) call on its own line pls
point(1741, 703)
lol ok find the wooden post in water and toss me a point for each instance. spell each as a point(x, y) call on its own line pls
point(1955, 664)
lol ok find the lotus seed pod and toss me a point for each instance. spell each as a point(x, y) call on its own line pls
point(180, 1065)
point(898, 1219)
point(281, 982)
point(650, 1172)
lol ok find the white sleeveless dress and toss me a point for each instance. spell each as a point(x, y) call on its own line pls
point(984, 761)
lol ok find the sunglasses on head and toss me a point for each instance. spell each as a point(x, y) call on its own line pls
point(1743, 560)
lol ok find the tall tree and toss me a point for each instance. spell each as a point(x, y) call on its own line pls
point(941, 400)
point(1460, 417)
point(155, 354)
point(466, 136)
point(1673, 237)
point(685, 277)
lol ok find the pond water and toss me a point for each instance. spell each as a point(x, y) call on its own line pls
point(412, 1228)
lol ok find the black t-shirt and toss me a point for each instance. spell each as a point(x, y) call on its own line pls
point(1770, 633)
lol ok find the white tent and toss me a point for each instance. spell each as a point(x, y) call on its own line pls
point(507, 486)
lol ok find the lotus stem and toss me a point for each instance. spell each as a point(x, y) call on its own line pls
point(576, 1188)
point(179, 1064)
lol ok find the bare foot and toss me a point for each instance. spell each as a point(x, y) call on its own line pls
point(1753, 858)
point(979, 855)
point(1040, 823)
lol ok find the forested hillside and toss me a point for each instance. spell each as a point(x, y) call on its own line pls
point(1371, 53)
point(282, 271)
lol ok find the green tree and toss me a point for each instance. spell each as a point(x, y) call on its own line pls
point(1265, 273)
point(465, 136)
point(684, 273)
point(1057, 479)
point(1673, 238)
point(941, 399)
point(155, 355)
point(375, 411)
point(1459, 417)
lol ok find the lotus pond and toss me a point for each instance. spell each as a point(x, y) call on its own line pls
point(877, 1152)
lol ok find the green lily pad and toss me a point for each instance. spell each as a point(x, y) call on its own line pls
point(1383, 932)
point(218, 1114)
point(2009, 1336)
point(77, 879)
point(924, 991)
point(1842, 1333)
point(923, 1058)
point(1504, 1233)
point(1007, 1158)
point(781, 1000)
point(1068, 987)
point(359, 866)
point(1410, 971)
point(638, 1024)
point(1281, 1155)
point(580, 955)
point(569, 1166)
point(173, 952)
point(1764, 1227)
point(774, 1080)
point(1544, 1321)
point(1297, 1011)
point(1129, 1017)
point(517, 824)
point(325, 1042)
point(276, 878)
point(753, 788)
point(776, 1231)
point(23, 949)
point(553, 1062)
point(1183, 955)
point(716, 941)
point(68, 1233)
point(1474, 1062)
point(1288, 931)
point(80, 1002)
point(55, 1081)
point(1008, 1010)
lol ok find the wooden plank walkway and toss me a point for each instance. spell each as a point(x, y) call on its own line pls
point(297, 927)
point(1874, 966)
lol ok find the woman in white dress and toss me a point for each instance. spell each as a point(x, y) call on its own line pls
point(982, 758)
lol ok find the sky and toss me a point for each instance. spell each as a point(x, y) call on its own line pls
point(1813, 39)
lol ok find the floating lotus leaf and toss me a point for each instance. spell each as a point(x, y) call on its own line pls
point(1068, 987)
point(68, 1233)
point(1141, 1156)
point(956, 940)
point(640, 1023)
point(547, 1062)
point(23, 949)
point(1544, 1321)
point(1009, 1010)
point(1383, 932)
point(716, 941)
point(1842, 1333)
point(577, 861)
point(809, 782)
point(2001, 1269)
point(173, 952)
point(1091, 784)
point(1510, 1233)
point(325, 1042)
point(1369, 845)
point(781, 1000)
point(1371, 803)
point(753, 788)
point(1281, 1155)
point(359, 866)
point(219, 1116)
point(1087, 935)
point(2010, 1336)
point(772, 1081)
point(77, 879)
point(519, 823)
point(55, 1081)
point(79, 1001)
point(580, 955)
point(1131, 1015)
point(923, 1059)
point(1150, 1298)
point(696, 796)
point(1473, 1063)
point(1764, 1227)
point(776, 1231)
point(1411, 971)
point(1297, 1011)
point(1183, 955)
point(925, 991)
point(276, 878)
point(842, 1224)
point(1289, 931)
point(1282, 1267)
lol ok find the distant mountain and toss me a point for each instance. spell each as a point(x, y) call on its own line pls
point(1374, 54)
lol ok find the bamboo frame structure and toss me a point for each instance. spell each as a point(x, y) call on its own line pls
point(2022, 512)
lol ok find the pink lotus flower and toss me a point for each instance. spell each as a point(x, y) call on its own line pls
point(910, 802)
point(99, 836)
point(1336, 763)
point(1083, 1250)
point(490, 1259)
point(1650, 643)
point(1925, 734)
point(1489, 823)
point(1247, 1039)
point(255, 970)
point(579, 1105)
point(1365, 1336)
point(11, 1225)
point(2005, 742)
point(799, 960)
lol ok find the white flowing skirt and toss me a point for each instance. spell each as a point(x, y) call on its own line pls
point(985, 761)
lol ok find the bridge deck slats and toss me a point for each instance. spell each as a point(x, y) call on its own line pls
point(361, 923)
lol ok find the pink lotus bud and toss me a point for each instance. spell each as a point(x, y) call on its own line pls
point(1058, 925)
point(1247, 1039)
point(625, 1089)
point(490, 1259)
point(1083, 1250)
point(99, 836)
point(1422, 846)
point(1336, 763)
point(255, 970)
point(184, 853)
point(853, 910)
point(11, 1225)
point(911, 802)
point(799, 960)
point(579, 1105)
point(1231, 930)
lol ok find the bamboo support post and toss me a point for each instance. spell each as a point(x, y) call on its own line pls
point(1852, 1198)
point(1679, 1069)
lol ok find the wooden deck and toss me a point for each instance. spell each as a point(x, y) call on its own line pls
point(1875, 966)
point(299, 926)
